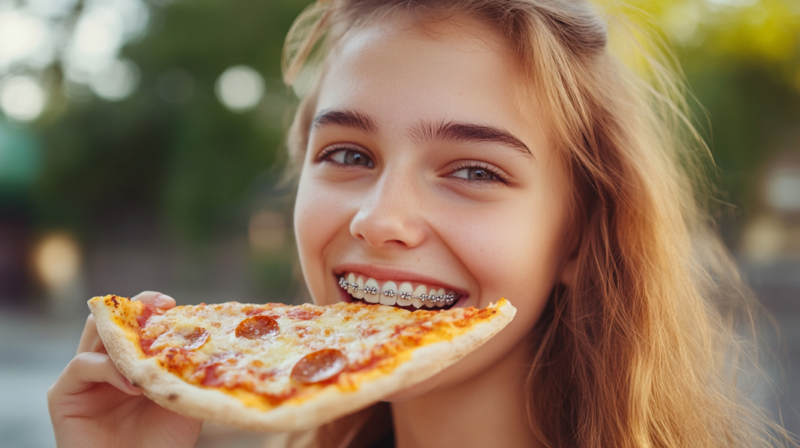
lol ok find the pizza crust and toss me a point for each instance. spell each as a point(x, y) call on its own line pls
point(172, 393)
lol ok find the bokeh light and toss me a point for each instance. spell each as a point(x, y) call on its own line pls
point(763, 239)
point(783, 190)
point(57, 260)
point(267, 231)
point(22, 98)
point(100, 31)
point(24, 37)
point(240, 88)
point(115, 81)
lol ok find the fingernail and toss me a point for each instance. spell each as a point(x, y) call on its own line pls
point(131, 386)
point(163, 300)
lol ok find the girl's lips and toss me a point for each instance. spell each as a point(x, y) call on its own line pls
point(386, 273)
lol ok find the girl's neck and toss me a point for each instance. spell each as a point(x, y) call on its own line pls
point(488, 409)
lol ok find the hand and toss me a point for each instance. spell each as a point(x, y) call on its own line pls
point(93, 405)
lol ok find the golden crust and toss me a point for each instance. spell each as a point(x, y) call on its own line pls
point(118, 328)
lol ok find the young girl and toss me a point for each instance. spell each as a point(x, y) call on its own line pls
point(493, 148)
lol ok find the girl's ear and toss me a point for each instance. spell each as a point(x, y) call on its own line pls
point(567, 273)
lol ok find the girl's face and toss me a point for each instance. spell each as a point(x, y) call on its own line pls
point(430, 164)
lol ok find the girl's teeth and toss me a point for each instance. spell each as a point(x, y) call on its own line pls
point(404, 287)
point(390, 294)
point(359, 294)
point(390, 288)
point(418, 292)
point(372, 298)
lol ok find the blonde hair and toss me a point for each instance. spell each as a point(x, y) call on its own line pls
point(641, 349)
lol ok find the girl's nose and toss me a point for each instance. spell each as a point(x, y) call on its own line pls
point(390, 215)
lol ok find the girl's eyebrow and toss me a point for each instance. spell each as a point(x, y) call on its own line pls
point(347, 118)
point(425, 131)
point(468, 132)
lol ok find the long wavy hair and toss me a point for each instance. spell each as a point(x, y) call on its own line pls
point(644, 348)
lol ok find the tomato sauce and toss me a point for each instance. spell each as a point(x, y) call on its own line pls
point(147, 312)
point(211, 377)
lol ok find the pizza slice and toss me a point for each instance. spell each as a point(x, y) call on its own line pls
point(276, 367)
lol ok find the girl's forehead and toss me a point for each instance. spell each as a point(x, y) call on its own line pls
point(402, 72)
point(462, 33)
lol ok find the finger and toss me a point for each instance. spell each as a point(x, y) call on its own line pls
point(87, 369)
point(156, 299)
point(90, 339)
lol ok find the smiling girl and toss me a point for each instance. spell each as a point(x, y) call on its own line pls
point(487, 149)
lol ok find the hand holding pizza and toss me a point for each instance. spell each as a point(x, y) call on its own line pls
point(92, 404)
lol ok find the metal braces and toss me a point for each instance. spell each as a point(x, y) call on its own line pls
point(373, 290)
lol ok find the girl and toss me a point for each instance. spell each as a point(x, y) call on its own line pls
point(492, 148)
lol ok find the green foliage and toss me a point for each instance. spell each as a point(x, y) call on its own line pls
point(190, 163)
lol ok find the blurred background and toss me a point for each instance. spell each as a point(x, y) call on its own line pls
point(141, 147)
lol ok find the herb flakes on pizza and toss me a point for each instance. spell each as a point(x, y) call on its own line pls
point(276, 367)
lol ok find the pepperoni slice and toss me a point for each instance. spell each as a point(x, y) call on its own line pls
point(256, 327)
point(319, 366)
point(196, 339)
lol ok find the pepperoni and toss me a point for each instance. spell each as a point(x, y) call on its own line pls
point(196, 339)
point(145, 343)
point(319, 366)
point(254, 311)
point(257, 327)
point(302, 314)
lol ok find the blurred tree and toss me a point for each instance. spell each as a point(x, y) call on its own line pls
point(172, 149)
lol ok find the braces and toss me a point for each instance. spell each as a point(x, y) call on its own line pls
point(446, 298)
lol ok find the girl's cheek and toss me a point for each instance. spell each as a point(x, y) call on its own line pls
point(312, 219)
point(511, 250)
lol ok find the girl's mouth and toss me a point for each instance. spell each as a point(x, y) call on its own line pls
point(407, 295)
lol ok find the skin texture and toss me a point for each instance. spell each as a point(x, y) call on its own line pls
point(414, 207)
point(93, 405)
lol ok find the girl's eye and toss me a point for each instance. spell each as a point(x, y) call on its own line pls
point(347, 156)
point(477, 173)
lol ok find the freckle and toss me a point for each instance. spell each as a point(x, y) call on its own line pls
point(172, 397)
